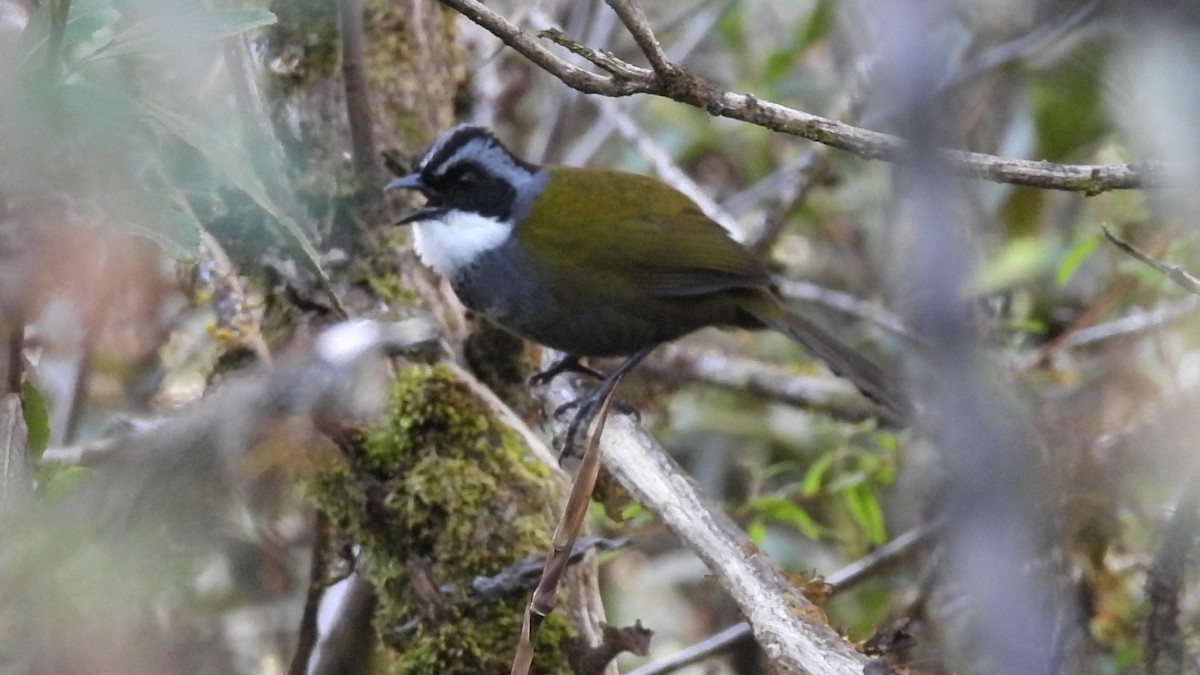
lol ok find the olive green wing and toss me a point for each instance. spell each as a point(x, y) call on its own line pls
point(627, 228)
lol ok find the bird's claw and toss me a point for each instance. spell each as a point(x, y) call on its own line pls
point(567, 364)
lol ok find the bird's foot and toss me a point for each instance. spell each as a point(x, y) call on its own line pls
point(567, 364)
point(588, 406)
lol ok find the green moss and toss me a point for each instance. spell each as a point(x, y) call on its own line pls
point(439, 481)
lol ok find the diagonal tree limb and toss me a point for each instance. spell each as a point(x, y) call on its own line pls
point(789, 627)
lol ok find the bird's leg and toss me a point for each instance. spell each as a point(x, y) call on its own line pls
point(590, 403)
point(569, 363)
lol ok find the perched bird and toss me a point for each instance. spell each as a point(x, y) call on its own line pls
point(595, 262)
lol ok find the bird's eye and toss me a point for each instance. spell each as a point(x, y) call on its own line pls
point(468, 177)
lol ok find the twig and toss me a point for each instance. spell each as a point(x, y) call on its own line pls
point(881, 558)
point(1138, 321)
point(701, 25)
point(635, 20)
point(704, 649)
point(624, 79)
point(1173, 272)
point(839, 581)
point(565, 535)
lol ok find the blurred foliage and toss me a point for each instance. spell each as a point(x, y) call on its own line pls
point(138, 111)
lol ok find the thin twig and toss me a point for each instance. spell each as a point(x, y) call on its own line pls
point(635, 20)
point(1175, 273)
point(702, 23)
point(565, 536)
point(1136, 322)
point(624, 79)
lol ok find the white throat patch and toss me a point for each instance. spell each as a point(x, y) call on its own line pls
point(454, 241)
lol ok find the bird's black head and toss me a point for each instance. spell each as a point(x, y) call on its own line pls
point(468, 169)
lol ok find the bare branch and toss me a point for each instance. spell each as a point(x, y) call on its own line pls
point(1138, 321)
point(625, 79)
point(635, 20)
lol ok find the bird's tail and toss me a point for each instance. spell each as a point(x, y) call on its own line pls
point(840, 359)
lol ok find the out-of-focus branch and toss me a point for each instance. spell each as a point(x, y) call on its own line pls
point(681, 361)
point(358, 108)
point(845, 303)
point(1164, 650)
point(624, 79)
point(1185, 279)
point(785, 624)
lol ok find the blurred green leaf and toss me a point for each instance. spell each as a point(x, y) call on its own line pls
point(1018, 261)
point(864, 508)
point(781, 510)
point(816, 474)
point(59, 483)
point(781, 62)
point(632, 510)
point(756, 531)
point(37, 419)
point(227, 157)
point(1075, 256)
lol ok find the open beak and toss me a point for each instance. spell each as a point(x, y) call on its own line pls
point(413, 182)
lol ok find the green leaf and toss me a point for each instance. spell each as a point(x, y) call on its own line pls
point(787, 512)
point(1019, 261)
point(37, 419)
point(816, 473)
point(756, 531)
point(632, 510)
point(864, 508)
point(1074, 257)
